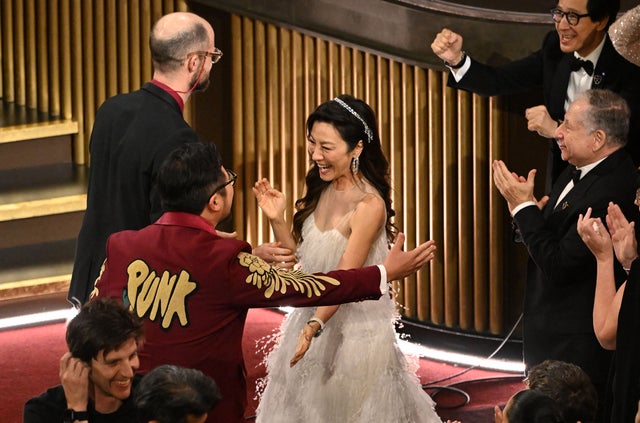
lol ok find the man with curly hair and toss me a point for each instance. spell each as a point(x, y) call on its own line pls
point(193, 288)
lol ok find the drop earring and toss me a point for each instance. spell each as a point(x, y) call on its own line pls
point(355, 165)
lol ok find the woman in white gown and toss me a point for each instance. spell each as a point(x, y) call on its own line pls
point(354, 371)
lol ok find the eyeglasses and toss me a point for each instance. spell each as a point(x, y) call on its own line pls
point(232, 181)
point(572, 17)
point(215, 55)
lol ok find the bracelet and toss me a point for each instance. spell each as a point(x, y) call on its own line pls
point(459, 64)
point(318, 321)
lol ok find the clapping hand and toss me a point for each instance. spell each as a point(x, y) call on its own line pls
point(622, 235)
point(595, 235)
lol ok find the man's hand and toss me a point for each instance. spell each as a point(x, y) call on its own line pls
point(74, 378)
point(515, 189)
point(400, 264)
point(448, 46)
point(273, 253)
point(539, 120)
point(595, 236)
point(623, 236)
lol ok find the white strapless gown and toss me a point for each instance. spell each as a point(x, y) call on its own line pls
point(353, 372)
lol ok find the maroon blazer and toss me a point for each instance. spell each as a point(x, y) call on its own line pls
point(193, 289)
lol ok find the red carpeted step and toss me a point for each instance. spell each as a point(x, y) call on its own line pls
point(30, 365)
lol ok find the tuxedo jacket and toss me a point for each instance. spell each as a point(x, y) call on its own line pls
point(561, 272)
point(193, 290)
point(548, 69)
point(132, 135)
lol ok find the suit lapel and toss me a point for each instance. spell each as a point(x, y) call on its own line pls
point(577, 192)
point(559, 84)
point(557, 189)
point(603, 73)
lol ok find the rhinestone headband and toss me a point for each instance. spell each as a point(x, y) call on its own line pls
point(367, 130)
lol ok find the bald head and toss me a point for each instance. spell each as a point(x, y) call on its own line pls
point(176, 35)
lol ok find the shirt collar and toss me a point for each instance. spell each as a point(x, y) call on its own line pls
point(586, 169)
point(187, 220)
point(171, 92)
point(595, 54)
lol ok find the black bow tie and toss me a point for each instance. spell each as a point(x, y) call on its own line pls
point(576, 64)
point(575, 175)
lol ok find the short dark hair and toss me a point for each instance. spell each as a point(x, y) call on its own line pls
point(170, 393)
point(531, 406)
point(569, 386)
point(608, 112)
point(188, 176)
point(101, 324)
point(168, 53)
point(600, 9)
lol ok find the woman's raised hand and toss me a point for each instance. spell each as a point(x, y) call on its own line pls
point(270, 200)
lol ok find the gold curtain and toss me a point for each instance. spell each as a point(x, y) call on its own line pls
point(439, 142)
point(63, 58)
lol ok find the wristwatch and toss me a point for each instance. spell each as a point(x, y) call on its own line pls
point(71, 416)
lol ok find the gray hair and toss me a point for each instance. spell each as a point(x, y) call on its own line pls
point(608, 112)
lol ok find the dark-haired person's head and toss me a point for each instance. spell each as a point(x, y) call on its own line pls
point(582, 24)
point(356, 124)
point(569, 386)
point(101, 326)
point(105, 336)
point(531, 406)
point(172, 394)
point(190, 176)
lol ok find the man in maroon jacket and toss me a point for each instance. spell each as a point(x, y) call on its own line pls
point(194, 288)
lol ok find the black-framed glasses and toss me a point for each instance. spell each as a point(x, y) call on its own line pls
point(231, 181)
point(573, 18)
point(215, 55)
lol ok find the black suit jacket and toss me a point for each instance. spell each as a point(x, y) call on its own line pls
point(626, 374)
point(561, 273)
point(548, 69)
point(132, 135)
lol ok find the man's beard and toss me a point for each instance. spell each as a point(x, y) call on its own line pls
point(202, 84)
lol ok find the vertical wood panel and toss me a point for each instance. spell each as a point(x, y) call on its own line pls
point(54, 52)
point(43, 57)
point(31, 56)
point(19, 53)
point(8, 68)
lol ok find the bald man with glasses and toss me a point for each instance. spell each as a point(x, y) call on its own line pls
point(133, 133)
point(575, 57)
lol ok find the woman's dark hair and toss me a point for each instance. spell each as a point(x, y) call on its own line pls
point(373, 164)
point(188, 176)
point(531, 406)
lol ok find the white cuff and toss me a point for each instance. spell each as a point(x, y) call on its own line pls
point(458, 74)
point(384, 285)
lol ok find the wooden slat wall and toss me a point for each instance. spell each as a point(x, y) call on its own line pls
point(437, 140)
point(65, 57)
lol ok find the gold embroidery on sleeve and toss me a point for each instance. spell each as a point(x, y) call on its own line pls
point(275, 279)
